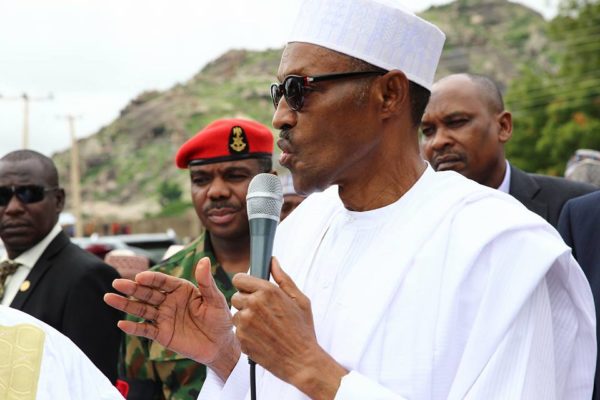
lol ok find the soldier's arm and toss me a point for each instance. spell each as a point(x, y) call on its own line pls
point(138, 369)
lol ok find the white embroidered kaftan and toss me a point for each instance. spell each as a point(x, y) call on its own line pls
point(37, 362)
point(454, 291)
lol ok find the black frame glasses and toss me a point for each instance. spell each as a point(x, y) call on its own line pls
point(293, 86)
point(26, 194)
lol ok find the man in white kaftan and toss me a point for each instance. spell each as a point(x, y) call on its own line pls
point(38, 362)
point(403, 283)
point(460, 295)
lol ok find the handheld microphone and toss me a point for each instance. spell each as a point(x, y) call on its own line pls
point(263, 202)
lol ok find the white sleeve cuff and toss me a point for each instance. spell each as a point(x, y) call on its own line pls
point(236, 386)
point(212, 386)
point(355, 386)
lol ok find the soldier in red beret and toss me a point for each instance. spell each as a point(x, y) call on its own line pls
point(222, 159)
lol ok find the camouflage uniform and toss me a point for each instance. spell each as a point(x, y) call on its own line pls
point(179, 377)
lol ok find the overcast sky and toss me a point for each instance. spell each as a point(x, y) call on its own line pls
point(94, 56)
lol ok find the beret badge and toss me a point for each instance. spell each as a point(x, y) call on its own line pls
point(238, 142)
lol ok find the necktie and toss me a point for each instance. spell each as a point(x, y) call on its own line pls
point(6, 268)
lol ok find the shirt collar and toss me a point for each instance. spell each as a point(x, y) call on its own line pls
point(505, 185)
point(30, 257)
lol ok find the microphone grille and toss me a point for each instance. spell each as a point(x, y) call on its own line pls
point(265, 197)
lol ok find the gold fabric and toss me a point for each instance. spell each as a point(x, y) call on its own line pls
point(7, 268)
point(21, 351)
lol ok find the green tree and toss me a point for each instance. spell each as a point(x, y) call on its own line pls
point(172, 204)
point(557, 111)
point(169, 192)
point(527, 98)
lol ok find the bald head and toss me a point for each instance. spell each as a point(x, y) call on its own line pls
point(50, 171)
point(484, 86)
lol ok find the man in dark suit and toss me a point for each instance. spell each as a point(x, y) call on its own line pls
point(465, 127)
point(42, 272)
point(579, 225)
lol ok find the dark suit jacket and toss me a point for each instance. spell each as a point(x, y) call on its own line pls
point(579, 225)
point(67, 285)
point(545, 195)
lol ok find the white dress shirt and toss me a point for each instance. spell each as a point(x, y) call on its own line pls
point(27, 260)
point(505, 185)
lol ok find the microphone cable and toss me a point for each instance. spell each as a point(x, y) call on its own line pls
point(252, 379)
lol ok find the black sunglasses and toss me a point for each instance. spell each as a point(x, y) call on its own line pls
point(294, 86)
point(26, 194)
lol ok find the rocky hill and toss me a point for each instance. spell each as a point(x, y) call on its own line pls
point(125, 162)
point(489, 37)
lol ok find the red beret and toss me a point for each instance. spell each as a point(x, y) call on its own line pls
point(226, 140)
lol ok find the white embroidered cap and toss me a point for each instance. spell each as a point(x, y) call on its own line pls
point(380, 32)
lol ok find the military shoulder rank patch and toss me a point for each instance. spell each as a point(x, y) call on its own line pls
point(238, 141)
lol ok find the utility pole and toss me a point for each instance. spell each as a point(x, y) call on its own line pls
point(26, 99)
point(75, 177)
point(25, 137)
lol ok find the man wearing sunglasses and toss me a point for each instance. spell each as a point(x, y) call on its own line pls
point(42, 272)
point(400, 282)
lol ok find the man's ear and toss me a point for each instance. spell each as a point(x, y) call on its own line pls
point(394, 92)
point(505, 123)
point(60, 200)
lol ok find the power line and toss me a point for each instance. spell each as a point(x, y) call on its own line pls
point(593, 38)
point(546, 86)
point(574, 102)
point(558, 95)
point(593, 83)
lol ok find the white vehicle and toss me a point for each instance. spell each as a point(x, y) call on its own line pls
point(151, 245)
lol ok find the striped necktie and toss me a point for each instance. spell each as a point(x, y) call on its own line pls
point(7, 268)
